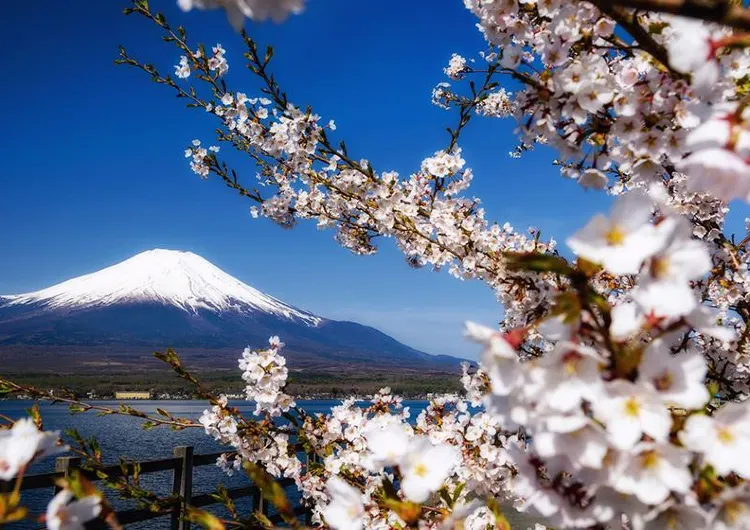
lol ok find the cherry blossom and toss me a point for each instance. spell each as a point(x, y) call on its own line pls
point(266, 373)
point(182, 70)
point(346, 510)
point(630, 410)
point(388, 444)
point(499, 356)
point(456, 67)
point(22, 443)
point(620, 243)
point(692, 50)
point(679, 379)
point(651, 471)
point(672, 516)
point(569, 374)
point(718, 154)
point(723, 439)
point(732, 511)
point(65, 513)
point(425, 467)
point(576, 438)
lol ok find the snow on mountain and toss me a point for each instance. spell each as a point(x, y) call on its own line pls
point(170, 277)
point(169, 299)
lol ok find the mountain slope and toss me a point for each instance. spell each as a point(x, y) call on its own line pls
point(182, 279)
point(164, 298)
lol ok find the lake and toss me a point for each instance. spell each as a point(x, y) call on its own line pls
point(121, 436)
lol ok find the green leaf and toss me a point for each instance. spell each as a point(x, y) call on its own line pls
point(389, 489)
point(457, 492)
point(203, 518)
point(262, 519)
point(408, 511)
point(446, 497)
point(9, 512)
point(36, 416)
point(537, 262)
point(656, 28)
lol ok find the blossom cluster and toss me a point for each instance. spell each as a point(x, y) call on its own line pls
point(265, 373)
point(614, 390)
point(199, 154)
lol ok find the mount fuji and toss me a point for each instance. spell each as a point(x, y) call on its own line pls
point(166, 298)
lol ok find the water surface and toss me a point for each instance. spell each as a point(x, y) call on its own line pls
point(122, 436)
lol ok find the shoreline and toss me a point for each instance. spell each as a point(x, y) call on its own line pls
point(425, 397)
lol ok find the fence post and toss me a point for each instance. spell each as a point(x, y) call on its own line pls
point(64, 464)
point(182, 485)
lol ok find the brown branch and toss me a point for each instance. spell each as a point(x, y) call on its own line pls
point(720, 11)
point(85, 407)
point(629, 22)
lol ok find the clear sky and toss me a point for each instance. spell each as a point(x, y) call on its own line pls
point(93, 170)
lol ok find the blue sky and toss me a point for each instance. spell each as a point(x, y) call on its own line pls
point(93, 170)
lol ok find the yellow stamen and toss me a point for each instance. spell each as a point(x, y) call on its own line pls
point(615, 236)
point(632, 407)
point(733, 510)
point(649, 460)
point(664, 381)
point(673, 523)
point(659, 267)
point(63, 515)
point(725, 435)
point(570, 362)
point(420, 470)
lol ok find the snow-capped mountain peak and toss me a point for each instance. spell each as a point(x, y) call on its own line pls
point(170, 277)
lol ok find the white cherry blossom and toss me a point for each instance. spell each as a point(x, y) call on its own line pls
point(65, 513)
point(576, 438)
point(672, 516)
point(499, 356)
point(665, 290)
point(723, 439)
point(623, 241)
point(732, 510)
point(425, 467)
point(346, 510)
point(652, 471)
point(569, 374)
point(692, 51)
point(388, 444)
point(679, 379)
point(22, 443)
point(629, 411)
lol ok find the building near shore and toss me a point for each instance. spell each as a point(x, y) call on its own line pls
point(132, 395)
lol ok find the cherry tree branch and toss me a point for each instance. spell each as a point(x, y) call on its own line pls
point(721, 11)
point(629, 21)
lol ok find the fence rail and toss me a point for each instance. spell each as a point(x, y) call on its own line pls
point(181, 464)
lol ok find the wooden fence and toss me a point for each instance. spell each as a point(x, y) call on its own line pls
point(181, 464)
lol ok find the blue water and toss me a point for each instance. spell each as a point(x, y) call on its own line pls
point(122, 436)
